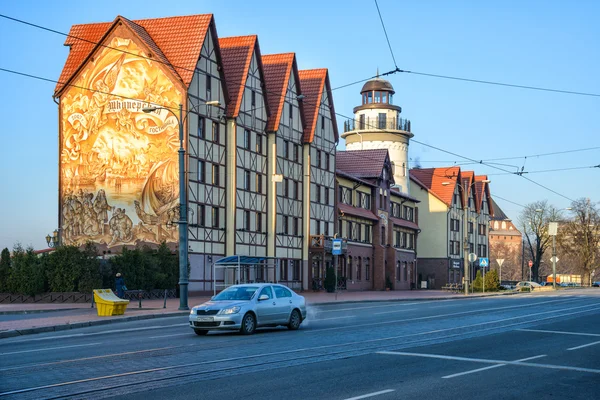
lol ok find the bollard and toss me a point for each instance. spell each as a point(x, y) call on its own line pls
point(92, 306)
point(140, 298)
point(165, 304)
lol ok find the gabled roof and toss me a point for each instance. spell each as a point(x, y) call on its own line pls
point(357, 212)
point(431, 179)
point(236, 53)
point(362, 163)
point(482, 189)
point(278, 69)
point(404, 223)
point(498, 214)
point(175, 40)
point(314, 82)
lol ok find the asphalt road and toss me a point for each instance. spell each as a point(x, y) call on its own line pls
point(534, 346)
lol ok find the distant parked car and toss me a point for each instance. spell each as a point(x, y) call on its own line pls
point(528, 284)
point(247, 307)
point(596, 284)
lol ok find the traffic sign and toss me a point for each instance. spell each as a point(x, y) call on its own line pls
point(472, 257)
point(530, 263)
point(484, 262)
point(500, 261)
point(554, 259)
point(336, 247)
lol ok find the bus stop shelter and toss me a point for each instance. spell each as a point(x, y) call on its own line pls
point(245, 269)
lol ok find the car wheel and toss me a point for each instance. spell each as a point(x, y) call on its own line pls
point(248, 324)
point(200, 332)
point(295, 320)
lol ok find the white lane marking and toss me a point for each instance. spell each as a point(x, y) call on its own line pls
point(49, 348)
point(366, 308)
point(560, 332)
point(272, 354)
point(90, 358)
point(364, 396)
point(175, 334)
point(393, 312)
point(441, 315)
point(487, 361)
point(583, 345)
point(77, 335)
point(490, 367)
point(329, 319)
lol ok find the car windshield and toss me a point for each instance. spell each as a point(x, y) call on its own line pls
point(237, 293)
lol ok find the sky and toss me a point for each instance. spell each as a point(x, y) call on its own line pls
point(548, 44)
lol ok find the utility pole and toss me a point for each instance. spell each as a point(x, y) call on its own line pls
point(466, 238)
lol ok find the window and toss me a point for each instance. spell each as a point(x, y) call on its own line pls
point(215, 175)
point(398, 270)
point(367, 269)
point(397, 239)
point(470, 227)
point(246, 220)
point(201, 171)
point(322, 122)
point(259, 147)
point(208, 86)
point(296, 231)
point(296, 270)
point(201, 128)
point(326, 195)
point(361, 121)
point(368, 233)
point(404, 271)
point(319, 158)
point(382, 120)
point(247, 139)
point(327, 161)
point(285, 224)
point(266, 290)
point(326, 228)
point(318, 193)
point(253, 98)
point(296, 153)
point(383, 235)
point(340, 225)
point(370, 97)
point(404, 240)
point(258, 222)
point(482, 229)
point(291, 107)
point(346, 195)
point(349, 230)
point(454, 247)
point(454, 225)
point(286, 150)
point(358, 236)
point(286, 188)
point(215, 132)
point(296, 191)
point(377, 97)
point(246, 180)
point(201, 215)
point(215, 217)
point(358, 268)
point(364, 201)
point(259, 183)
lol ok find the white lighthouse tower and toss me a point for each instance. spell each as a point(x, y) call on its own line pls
point(377, 125)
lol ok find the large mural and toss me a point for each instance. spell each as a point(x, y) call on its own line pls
point(118, 165)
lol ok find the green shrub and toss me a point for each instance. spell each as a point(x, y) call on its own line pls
point(27, 273)
point(492, 283)
point(4, 270)
point(478, 282)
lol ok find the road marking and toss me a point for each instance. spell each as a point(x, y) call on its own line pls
point(583, 345)
point(366, 308)
point(560, 332)
point(175, 334)
point(490, 367)
point(364, 396)
point(447, 315)
point(393, 312)
point(49, 348)
point(487, 361)
point(329, 319)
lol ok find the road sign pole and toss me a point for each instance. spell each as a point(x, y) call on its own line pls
point(554, 261)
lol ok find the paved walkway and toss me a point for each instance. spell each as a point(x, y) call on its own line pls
point(19, 319)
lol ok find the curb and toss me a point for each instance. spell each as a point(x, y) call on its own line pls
point(85, 324)
point(16, 312)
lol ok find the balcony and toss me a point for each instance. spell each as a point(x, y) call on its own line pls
point(396, 124)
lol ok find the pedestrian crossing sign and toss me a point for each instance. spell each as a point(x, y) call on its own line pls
point(484, 262)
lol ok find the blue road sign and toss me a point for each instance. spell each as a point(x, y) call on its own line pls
point(336, 247)
point(484, 262)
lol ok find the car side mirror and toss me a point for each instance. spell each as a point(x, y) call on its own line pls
point(263, 297)
point(212, 298)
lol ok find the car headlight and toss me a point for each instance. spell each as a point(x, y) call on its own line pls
point(193, 310)
point(230, 310)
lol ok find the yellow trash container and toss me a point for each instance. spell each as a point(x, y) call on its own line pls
point(108, 303)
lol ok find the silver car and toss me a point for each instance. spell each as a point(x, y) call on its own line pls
point(247, 307)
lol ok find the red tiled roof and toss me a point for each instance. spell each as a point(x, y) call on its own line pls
point(313, 83)
point(237, 55)
point(483, 189)
point(404, 223)
point(357, 212)
point(278, 69)
point(432, 179)
point(361, 163)
point(179, 38)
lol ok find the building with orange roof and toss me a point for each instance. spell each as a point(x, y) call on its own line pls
point(455, 205)
point(259, 151)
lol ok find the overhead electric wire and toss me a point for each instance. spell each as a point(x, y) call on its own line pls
point(512, 202)
point(386, 35)
point(279, 94)
point(546, 170)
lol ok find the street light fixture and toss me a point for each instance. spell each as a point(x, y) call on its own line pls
point(463, 188)
point(54, 240)
point(183, 228)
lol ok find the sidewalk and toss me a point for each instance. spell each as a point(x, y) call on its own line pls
point(21, 319)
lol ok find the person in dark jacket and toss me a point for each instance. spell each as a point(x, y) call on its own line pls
point(120, 285)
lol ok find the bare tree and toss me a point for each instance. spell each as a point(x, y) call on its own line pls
point(533, 221)
point(580, 237)
point(511, 254)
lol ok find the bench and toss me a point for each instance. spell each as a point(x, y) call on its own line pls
point(108, 303)
point(452, 287)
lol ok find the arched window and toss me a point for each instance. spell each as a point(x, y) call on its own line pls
point(398, 270)
point(349, 266)
point(367, 269)
point(358, 267)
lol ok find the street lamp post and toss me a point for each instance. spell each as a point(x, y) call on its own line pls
point(54, 240)
point(464, 188)
point(183, 223)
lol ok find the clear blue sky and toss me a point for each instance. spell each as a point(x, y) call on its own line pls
point(550, 44)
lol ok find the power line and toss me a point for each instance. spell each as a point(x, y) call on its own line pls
point(502, 84)
point(512, 202)
point(546, 170)
point(386, 35)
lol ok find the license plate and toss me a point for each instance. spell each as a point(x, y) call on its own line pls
point(205, 319)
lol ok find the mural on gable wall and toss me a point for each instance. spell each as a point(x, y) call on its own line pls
point(119, 165)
